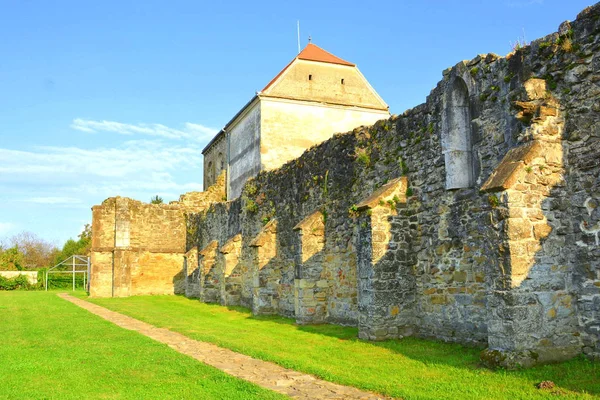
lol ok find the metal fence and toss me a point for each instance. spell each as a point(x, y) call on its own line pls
point(73, 265)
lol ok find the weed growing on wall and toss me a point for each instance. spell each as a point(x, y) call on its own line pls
point(251, 206)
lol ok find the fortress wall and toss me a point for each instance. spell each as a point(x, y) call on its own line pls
point(495, 238)
point(138, 248)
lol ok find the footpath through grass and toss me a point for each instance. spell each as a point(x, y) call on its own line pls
point(52, 349)
point(408, 368)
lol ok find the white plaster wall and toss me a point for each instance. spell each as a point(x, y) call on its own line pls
point(244, 150)
point(290, 127)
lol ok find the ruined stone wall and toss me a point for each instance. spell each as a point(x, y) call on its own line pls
point(471, 218)
point(139, 248)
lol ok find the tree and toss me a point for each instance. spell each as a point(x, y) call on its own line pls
point(36, 252)
point(86, 233)
point(12, 259)
point(156, 200)
point(76, 247)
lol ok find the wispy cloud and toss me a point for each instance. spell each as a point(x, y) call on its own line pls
point(50, 189)
point(62, 175)
point(137, 156)
point(190, 130)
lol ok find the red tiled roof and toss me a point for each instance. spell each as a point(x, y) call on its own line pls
point(315, 53)
point(312, 53)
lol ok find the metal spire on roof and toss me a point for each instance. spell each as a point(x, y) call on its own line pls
point(309, 39)
point(298, 36)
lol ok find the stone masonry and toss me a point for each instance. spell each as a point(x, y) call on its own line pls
point(139, 248)
point(472, 218)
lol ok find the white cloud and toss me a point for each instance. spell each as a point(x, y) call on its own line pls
point(190, 131)
point(129, 158)
point(77, 177)
point(50, 189)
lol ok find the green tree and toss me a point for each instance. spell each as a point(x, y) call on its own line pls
point(12, 259)
point(79, 247)
point(86, 234)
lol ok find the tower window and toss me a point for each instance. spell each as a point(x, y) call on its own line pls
point(310, 77)
point(342, 81)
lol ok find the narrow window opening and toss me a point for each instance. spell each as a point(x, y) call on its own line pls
point(342, 81)
point(456, 136)
point(310, 77)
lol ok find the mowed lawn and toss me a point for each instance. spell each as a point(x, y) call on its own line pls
point(52, 349)
point(408, 368)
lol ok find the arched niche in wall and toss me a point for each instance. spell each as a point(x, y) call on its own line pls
point(209, 174)
point(456, 136)
point(220, 163)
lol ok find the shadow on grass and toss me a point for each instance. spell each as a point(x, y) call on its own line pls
point(579, 375)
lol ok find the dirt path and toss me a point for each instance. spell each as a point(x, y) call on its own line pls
point(268, 375)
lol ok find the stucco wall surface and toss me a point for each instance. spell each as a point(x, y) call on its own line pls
point(244, 150)
point(288, 128)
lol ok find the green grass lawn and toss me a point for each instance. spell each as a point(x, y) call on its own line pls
point(52, 349)
point(409, 368)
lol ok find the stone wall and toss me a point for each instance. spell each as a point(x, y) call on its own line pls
point(140, 248)
point(471, 218)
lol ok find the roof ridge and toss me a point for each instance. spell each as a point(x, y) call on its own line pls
point(311, 52)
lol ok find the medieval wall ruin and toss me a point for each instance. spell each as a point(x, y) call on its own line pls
point(471, 218)
point(139, 248)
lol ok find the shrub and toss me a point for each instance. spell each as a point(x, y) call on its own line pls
point(363, 157)
point(19, 282)
point(64, 281)
point(156, 200)
point(251, 206)
point(251, 189)
point(493, 200)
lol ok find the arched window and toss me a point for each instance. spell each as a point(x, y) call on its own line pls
point(456, 136)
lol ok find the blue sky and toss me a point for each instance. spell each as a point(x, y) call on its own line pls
point(99, 99)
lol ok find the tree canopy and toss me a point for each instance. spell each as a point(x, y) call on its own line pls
point(26, 251)
point(79, 247)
